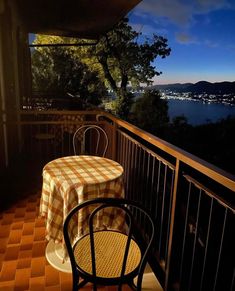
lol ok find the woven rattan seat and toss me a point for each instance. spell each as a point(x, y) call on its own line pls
point(109, 256)
point(110, 249)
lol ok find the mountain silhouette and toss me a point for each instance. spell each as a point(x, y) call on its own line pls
point(200, 87)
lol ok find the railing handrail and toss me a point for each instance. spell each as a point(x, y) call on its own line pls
point(61, 112)
point(206, 168)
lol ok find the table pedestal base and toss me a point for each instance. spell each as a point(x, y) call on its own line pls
point(54, 255)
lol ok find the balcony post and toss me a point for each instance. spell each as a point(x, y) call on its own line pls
point(172, 221)
point(114, 141)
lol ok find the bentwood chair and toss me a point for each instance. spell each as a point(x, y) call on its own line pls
point(107, 257)
point(90, 139)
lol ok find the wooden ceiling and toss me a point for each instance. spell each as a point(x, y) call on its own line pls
point(75, 18)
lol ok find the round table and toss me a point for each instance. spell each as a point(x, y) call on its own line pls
point(68, 181)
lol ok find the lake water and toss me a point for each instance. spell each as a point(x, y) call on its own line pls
point(198, 112)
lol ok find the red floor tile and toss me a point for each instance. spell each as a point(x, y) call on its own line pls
point(26, 242)
point(4, 231)
point(37, 284)
point(7, 218)
point(3, 244)
point(39, 249)
point(39, 221)
point(28, 228)
point(17, 225)
point(7, 286)
point(8, 271)
point(20, 212)
point(25, 254)
point(15, 236)
point(52, 277)
point(38, 267)
point(39, 234)
point(12, 253)
point(24, 263)
point(29, 215)
point(22, 277)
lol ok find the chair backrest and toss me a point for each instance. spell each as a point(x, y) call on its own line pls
point(90, 139)
point(142, 236)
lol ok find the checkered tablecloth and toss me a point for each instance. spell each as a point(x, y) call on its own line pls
point(71, 180)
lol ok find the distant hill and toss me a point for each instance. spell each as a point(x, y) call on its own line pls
point(173, 87)
point(200, 87)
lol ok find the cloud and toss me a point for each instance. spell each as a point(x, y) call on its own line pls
point(173, 10)
point(205, 6)
point(185, 38)
point(179, 12)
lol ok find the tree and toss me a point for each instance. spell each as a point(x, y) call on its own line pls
point(121, 58)
point(125, 60)
point(150, 112)
point(60, 70)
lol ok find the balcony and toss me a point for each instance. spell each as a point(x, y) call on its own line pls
point(192, 201)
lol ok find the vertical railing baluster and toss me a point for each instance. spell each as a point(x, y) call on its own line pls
point(114, 141)
point(162, 210)
point(143, 181)
point(233, 281)
point(207, 242)
point(123, 159)
point(148, 180)
point(220, 248)
point(158, 187)
point(131, 174)
point(169, 212)
point(185, 232)
point(119, 146)
point(152, 183)
point(128, 164)
point(172, 221)
point(195, 239)
point(135, 166)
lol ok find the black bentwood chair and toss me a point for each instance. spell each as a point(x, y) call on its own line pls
point(82, 140)
point(109, 257)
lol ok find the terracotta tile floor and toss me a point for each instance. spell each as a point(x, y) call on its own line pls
point(23, 265)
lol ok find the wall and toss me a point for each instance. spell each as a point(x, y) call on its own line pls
point(13, 52)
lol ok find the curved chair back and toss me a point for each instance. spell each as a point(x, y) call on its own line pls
point(105, 255)
point(90, 139)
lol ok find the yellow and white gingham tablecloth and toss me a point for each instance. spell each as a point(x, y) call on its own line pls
point(71, 180)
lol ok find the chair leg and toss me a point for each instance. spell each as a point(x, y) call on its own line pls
point(75, 283)
point(81, 284)
point(132, 285)
point(94, 287)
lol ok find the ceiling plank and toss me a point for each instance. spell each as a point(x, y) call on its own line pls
point(75, 18)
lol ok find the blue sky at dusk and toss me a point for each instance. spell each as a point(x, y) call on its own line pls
point(201, 34)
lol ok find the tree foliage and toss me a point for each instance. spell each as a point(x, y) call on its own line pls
point(126, 61)
point(120, 59)
point(60, 70)
point(150, 112)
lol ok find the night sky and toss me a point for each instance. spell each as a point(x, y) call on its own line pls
point(201, 34)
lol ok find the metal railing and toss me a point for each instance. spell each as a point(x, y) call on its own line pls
point(191, 200)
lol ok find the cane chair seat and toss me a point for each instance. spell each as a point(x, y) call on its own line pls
point(109, 249)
